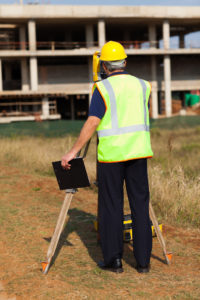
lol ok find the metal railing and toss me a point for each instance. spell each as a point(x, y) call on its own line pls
point(46, 45)
point(56, 45)
point(24, 108)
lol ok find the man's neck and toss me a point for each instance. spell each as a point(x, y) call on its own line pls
point(113, 72)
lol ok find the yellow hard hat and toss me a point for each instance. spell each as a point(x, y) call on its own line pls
point(112, 51)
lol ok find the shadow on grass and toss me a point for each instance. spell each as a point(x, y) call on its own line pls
point(80, 222)
point(162, 260)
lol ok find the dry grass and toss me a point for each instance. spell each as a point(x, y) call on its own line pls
point(174, 170)
point(175, 175)
point(30, 203)
point(37, 153)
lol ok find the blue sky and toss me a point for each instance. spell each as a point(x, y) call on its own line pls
point(112, 2)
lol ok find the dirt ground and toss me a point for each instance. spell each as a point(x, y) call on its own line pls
point(29, 208)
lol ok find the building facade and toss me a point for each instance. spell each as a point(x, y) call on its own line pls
point(46, 55)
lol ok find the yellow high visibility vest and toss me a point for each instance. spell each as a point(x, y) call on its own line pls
point(124, 129)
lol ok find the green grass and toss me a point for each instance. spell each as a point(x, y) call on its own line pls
point(65, 127)
point(176, 122)
point(47, 128)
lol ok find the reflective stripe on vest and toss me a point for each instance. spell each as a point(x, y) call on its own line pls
point(115, 129)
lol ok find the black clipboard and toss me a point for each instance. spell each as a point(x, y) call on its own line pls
point(75, 177)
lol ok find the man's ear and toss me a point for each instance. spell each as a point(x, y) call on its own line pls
point(104, 67)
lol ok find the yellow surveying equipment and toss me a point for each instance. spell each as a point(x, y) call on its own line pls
point(96, 66)
point(128, 233)
point(98, 70)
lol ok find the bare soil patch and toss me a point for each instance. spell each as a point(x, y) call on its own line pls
point(29, 207)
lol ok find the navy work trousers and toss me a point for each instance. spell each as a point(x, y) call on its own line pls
point(111, 177)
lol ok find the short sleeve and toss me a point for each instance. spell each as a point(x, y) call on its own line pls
point(149, 94)
point(97, 105)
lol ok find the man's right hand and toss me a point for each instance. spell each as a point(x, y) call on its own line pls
point(66, 158)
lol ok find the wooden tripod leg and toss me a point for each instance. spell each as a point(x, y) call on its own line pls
point(57, 231)
point(168, 256)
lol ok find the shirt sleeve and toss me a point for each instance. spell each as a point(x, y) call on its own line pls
point(97, 105)
point(149, 96)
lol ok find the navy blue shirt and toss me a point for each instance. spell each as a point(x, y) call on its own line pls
point(97, 105)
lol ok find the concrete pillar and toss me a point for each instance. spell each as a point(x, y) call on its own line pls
point(72, 107)
point(154, 91)
point(24, 67)
point(152, 36)
point(167, 69)
point(45, 107)
point(166, 34)
point(1, 76)
point(24, 75)
point(181, 40)
point(101, 32)
point(32, 35)
point(167, 79)
point(33, 74)
point(22, 37)
point(89, 35)
point(8, 72)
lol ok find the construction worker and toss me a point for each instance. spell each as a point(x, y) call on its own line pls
point(119, 113)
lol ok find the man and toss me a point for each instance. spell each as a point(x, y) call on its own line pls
point(119, 113)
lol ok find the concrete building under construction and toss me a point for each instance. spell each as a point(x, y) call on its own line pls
point(46, 55)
